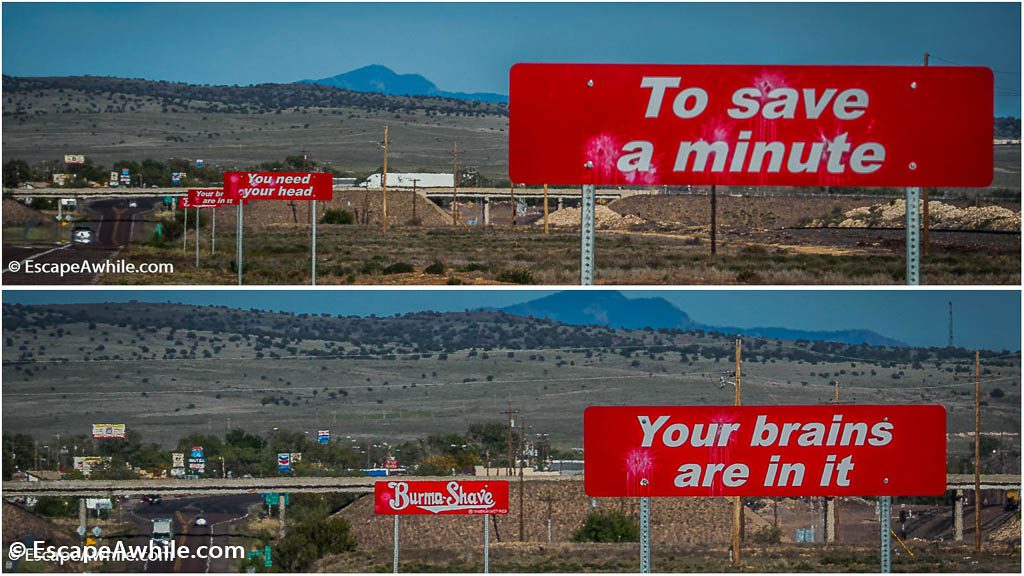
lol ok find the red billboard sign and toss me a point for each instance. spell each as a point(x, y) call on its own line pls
point(439, 497)
point(279, 185)
point(207, 198)
point(640, 124)
point(883, 450)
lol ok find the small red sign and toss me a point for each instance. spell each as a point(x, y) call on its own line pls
point(207, 198)
point(647, 124)
point(882, 450)
point(279, 185)
point(438, 497)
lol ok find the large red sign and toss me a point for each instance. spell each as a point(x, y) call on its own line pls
point(886, 450)
point(435, 497)
point(279, 185)
point(640, 124)
point(207, 198)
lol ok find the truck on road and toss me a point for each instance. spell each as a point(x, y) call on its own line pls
point(162, 531)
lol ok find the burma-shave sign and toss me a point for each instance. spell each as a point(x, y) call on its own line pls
point(207, 198)
point(883, 450)
point(279, 185)
point(641, 124)
point(437, 497)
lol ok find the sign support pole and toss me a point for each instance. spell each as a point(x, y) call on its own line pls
point(238, 247)
point(645, 534)
point(184, 228)
point(395, 561)
point(313, 256)
point(587, 236)
point(884, 514)
point(487, 543)
point(197, 237)
point(213, 232)
point(913, 227)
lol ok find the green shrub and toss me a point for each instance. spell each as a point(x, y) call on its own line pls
point(55, 507)
point(767, 535)
point(337, 216)
point(311, 541)
point(436, 268)
point(607, 527)
point(399, 268)
point(521, 276)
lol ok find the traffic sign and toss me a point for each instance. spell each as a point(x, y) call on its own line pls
point(652, 124)
point(863, 450)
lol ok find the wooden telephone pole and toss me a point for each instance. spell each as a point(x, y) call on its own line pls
point(511, 424)
point(737, 502)
point(384, 186)
point(512, 200)
point(714, 220)
point(977, 451)
point(455, 189)
point(545, 208)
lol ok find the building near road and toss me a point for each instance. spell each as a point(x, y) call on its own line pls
point(405, 180)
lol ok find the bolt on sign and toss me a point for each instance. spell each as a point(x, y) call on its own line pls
point(279, 185)
point(645, 124)
point(882, 450)
point(438, 497)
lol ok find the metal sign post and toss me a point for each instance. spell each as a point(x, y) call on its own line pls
point(587, 236)
point(913, 226)
point(238, 245)
point(184, 228)
point(487, 543)
point(884, 513)
point(197, 237)
point(645, 534)
point(213, 232)
point(313, 252)
point(395, 562)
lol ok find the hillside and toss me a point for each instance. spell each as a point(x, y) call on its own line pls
point(167, 370)
point(112, 119)
point(381, 79)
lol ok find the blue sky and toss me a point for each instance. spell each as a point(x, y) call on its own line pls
point(470, 47)
point(983, 319)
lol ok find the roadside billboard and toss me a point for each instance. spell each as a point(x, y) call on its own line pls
point(177, 459)
point(439, 497)
point(85, 464)
point(207, 198)
point(279, 185)
point(652, 124)
point(104, 431)
point(284, 462)
point(869, 450)
point(323, 437)
point(74, 159)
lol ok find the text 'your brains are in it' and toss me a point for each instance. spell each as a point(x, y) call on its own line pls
point(666, 98)
point(766, 435)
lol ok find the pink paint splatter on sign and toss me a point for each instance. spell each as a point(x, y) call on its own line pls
point(639, 468)
point(603, 150)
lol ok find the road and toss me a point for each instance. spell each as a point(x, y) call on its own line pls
point(114, 224)
point(221, 514)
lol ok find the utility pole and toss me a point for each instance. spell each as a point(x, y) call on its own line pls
point(977, 451)
point(924, 193)
point(511, 424)
point(455, 188)
point(545, 208)
point(714, 220)
point(737, 502)
point(414, 181)
point(512, 200)
point(384, 186)
point(951, 324)
point(522, 453)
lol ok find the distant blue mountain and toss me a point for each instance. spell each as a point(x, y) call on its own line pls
point(383, 80)
point(610, 308)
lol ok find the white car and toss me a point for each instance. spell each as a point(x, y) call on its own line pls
point(133, 204)
point(200, 521)
point(83, 235)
